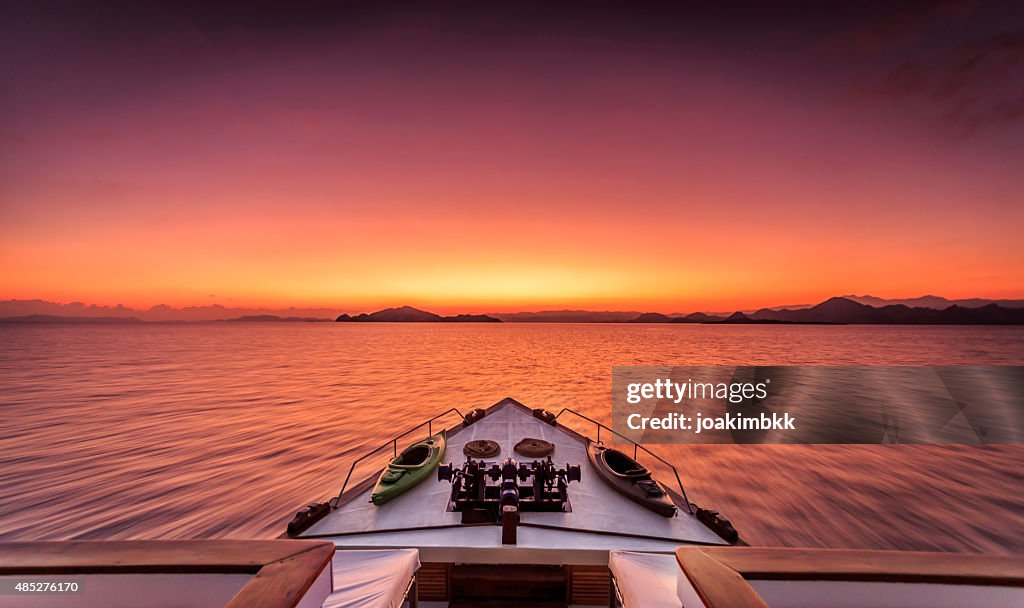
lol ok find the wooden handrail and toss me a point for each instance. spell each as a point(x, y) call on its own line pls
point(282, 571)
point(721, 575)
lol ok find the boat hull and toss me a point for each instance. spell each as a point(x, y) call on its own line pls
point(409, 468)
point(635, 483)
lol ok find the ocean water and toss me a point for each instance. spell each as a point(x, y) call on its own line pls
point(224, 430)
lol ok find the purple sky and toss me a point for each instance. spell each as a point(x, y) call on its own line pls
point(488, 156)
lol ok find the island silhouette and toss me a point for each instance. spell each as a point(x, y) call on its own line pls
point(408, 314)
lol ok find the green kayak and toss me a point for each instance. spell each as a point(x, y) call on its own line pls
point(412, 466)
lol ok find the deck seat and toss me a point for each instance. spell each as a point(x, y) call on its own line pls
point(645, 580)
point(372, 578)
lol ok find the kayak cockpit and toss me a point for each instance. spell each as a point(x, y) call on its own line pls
point(409, 468)
point(624, 466)
point(415, 456)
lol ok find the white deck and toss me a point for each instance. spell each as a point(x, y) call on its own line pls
point(601, 519)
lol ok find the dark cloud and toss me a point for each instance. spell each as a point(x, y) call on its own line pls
point(952, 59)
point(972, 86)
point(984, 63)
point(985, 83)
point(906, 23)
point(906, 80)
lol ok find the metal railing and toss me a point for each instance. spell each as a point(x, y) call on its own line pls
point(636, 447)
point(394, 443)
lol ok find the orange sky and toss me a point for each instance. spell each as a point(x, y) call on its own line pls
point(363, 173)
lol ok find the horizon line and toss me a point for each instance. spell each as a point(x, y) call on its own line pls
point(76, 307)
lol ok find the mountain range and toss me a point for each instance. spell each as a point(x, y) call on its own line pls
point(845, 309)
point(848, 311)
point(70, 319)
point(566, 316)
point(160, 312)
point(936, 302)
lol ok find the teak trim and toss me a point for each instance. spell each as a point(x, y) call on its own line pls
point(719, 575)
point(282, 570)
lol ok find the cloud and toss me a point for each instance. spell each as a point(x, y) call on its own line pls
point(905, 25)
point(972, 86)
point(984, 83)
point(906, 80)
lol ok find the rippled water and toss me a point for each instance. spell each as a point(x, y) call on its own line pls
point(178, 431)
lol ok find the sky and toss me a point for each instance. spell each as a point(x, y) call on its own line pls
point(472, 157)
